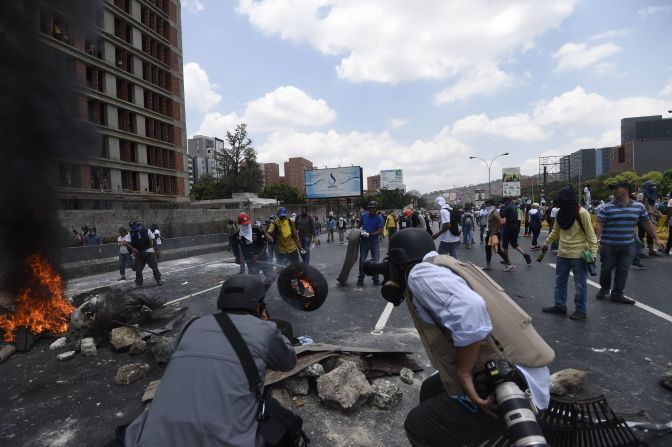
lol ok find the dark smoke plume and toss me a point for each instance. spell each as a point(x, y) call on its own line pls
point(40, 124)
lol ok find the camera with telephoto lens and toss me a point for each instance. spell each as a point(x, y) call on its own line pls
point(373, 268)
point(507, 383)
point(394, 281)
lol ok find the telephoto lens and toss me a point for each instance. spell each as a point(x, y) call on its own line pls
point(521, 422)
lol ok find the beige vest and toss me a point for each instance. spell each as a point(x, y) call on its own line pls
point(513, 337)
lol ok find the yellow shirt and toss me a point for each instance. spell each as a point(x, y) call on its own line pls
point(390, 222)
point(283, 237)
point(574, 241)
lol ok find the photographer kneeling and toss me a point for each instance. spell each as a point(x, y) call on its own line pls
point(207, 395)
point(467, 325)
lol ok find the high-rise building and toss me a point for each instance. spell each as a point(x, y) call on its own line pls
point(133, 94)
point(373, 183)
point(646, 144)
point(294, 172)
point(271, 173)
point(582, 165)
point(207, 149)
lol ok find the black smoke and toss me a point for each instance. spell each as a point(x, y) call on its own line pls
point(40, 125)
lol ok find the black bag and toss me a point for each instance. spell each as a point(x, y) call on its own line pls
point(454, 222)
point(278, 426)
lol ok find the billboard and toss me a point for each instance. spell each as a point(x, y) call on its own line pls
point(479, 197)
point(511, 182)
point(392, 179)
point(334, 182)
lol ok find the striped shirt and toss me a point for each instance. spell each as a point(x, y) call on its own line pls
point(618, 222)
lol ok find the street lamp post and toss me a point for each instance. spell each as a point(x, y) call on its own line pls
point(489, 166)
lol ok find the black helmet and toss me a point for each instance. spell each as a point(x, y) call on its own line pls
point(373, 204)
point(410, 245)
point(241, 292)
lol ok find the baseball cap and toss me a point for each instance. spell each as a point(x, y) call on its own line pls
point(621, 184)
point(244, 219)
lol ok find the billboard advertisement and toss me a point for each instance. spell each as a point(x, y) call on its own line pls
point(511, 182)
point(392, 179)
point(479, 197)
point(334, 182)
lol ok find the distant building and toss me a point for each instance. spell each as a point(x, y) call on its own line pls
point(646, 145)
point(271, 173)
point(582, 165)
point(373, 183)
point(206, 148)
point(294, 172)
point(602, 161)
point(199, 167)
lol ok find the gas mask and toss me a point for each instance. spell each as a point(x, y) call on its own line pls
point(394, 279)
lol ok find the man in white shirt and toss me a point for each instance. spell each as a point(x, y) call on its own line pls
point(449, 240)
point(124, 241)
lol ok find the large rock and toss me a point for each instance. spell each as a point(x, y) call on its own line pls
point(666, 380)
point(386, 395)
point(58, 344)
point(296, 386)
point(158, 348)
point(407, 376)
point(344, 387)
point(567, 381)
point(130, 373)
point(331, 363)
point(282, 396)
point(123, 337)
point(138, 347)
point(88, 347)
point(67, 355)
point(312, 371)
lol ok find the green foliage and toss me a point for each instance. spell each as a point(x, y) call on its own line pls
point(391, 200)
point(284, 193)
point(208, 188)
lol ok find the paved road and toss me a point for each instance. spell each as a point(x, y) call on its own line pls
point(625, 349)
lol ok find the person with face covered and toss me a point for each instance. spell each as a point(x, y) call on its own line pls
point(574, 229)
point(287, 244)
point(648, 197)
point(305, 226)
point(252, 241)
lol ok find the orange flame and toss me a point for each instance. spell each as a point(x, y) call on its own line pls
point(40, 306)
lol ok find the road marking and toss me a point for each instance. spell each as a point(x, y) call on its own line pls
point(177, 300)
point(382, 321)
point(642, 306)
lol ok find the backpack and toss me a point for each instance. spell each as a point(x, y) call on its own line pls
point(139, 238)
point(454, 221)
point(535, 218)
point(468, 222)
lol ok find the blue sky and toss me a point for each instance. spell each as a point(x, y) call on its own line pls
point(421, 85)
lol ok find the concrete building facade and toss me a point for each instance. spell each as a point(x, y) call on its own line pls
point(294, 169)
point(373, 183)
point(204, 151)
point(271, 173)
point(133, 93)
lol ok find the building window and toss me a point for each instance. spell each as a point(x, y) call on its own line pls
point(129, 181)
point(96, 112)
point(122, 30)
point(621, 154)
point(124, 5)
point(94, 79)
point(126, 120)
point(128, 151)
point(125, 90)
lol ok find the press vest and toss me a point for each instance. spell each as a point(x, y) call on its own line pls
point(512, 338)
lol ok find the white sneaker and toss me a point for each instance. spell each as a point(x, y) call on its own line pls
point(509, 268)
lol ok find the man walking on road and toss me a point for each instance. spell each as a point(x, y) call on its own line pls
point(142, 243)
point(305, 225)
point(511, 228)
point(287, 244)
point(372, 226)
point(615, 228)
point(450, 237)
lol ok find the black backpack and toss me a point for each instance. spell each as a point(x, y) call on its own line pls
point(139, 238)
point(454, 222)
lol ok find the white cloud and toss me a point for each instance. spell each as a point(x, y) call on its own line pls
point(610, 34)
point(285, 107)
point(198, 90)
point(391, 41)
point(667, 90)
point(396, 123)
point(653, 10)
point(515, 127)
point(483, 81)
point(577, 56)
point(193, 6)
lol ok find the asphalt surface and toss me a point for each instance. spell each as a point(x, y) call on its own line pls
point(625, 350)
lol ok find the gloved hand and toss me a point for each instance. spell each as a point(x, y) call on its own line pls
point(364, 234)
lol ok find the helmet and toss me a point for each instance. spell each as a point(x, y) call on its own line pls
point(410, 245)
point(282, 212)
point(373, 204)
point(244, 219)
point(241, 292)
point(408, 212)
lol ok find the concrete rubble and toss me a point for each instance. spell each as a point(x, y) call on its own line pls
point(58, 344)
point(313, 371)
point(158, 348)
point(88, 347)
point(123, 337)
point(6, 352)
point(344, 387)
point(128, 374)
point(666, 380)
point(407, 376)
point(386, 395)
point(138, 347)
point(332, 363)
point(148, 395)
point(567, 381)
point(296, 386)
point(66, 355)
point(282, 396)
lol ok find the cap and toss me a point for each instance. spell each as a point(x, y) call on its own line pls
point(244, 219)
point(621, 184)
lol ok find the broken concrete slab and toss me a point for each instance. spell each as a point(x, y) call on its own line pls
point(567, 381)
point(148, 395)
point(158, 348)
point(666, 380)
point(313, 371)
point(128, 374)
point(386, 395)
point(303, 361)
point(123, 337)
point(345, 387)
point(58, 344)
point(138, 347)
point(6, 352)
point(88, 347)
point(334, 362)
point(282, 396)
point(296, 386)
point(407, 376)
point(66, 355)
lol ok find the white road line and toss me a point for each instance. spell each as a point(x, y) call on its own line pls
point(177, 300)
point(642, 306)
point(382, 321)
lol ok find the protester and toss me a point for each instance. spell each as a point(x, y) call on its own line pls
point(158, 241)
point(270, 245)
point(534, 218)
point(574, 228)
point(287, 244)
point(669, 225)
point(331, 225)
point(406, 219)
point(142, 243)
point(648, 199)
point(372, 226)
point(483, 214)
point(493, 239)
point(232, 231)
point(511, 228)
point(124, 242)
point(467, 228)
point(305, 226)
point(204, 397)
point(528, 207)
point(342, 224)
point(391, 223)
point(252, 240)
point(449, 231)
point(615, 226)
point(91, 237)
point(586, 196)
point(551, 221)
point(318, 230)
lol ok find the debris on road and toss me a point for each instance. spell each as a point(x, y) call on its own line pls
point(158, 348)
point(386, 395)
point(58, 344)
point(6, 352)
point(66, 355)
point(345, 387)
point(407, 376)
point(296, 386)
point(567, 381)
point(138, 347)
point(313, 371)
point(88, 347)
point(123, 337)
point(128, 374)
point(282, 396)
point(148, 395)
point(334, 362)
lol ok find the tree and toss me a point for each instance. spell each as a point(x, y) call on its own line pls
point(208, 188)
point(237, 163)
point(284, 193)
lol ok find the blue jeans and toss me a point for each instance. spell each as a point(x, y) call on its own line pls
point(366, 245)
point(483, 229)
point(618, 258)
point(578, 268)
point(241, 256)
point(124, 258)
point(639, 246)
point(468, 236)
point(305, 243)
point(449, 248)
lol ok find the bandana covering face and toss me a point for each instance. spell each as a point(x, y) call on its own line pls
point(246, 232)
point(568, 203)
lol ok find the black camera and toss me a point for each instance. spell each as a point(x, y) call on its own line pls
point(373, 268)
point(507, 383)
point(394, 281)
